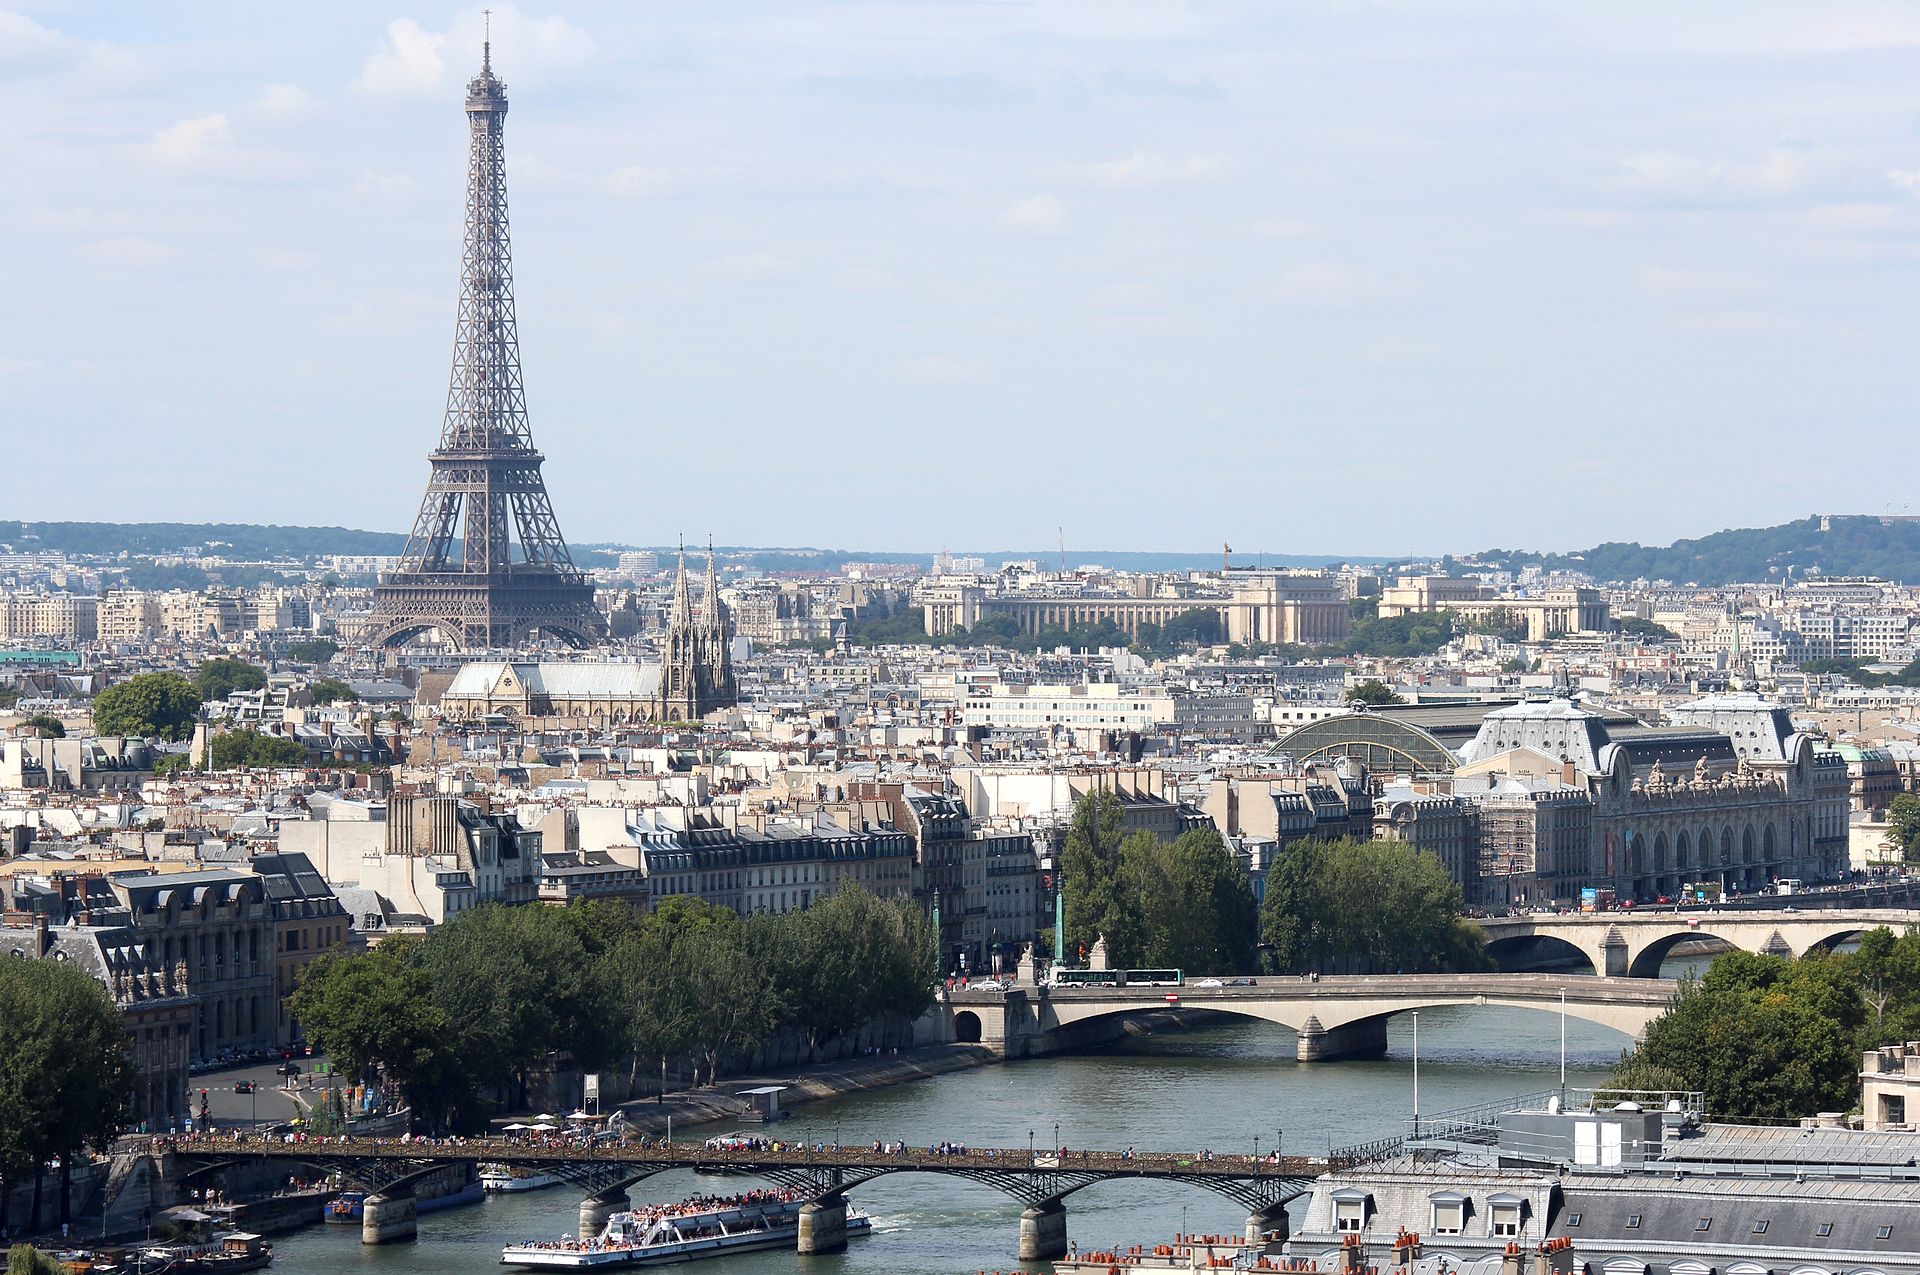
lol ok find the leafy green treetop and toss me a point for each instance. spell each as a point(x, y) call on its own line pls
point(329, 690)
point(221, 676)
point(1373, 692)
point(148, 706)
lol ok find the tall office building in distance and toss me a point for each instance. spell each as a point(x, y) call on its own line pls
point(506, 574)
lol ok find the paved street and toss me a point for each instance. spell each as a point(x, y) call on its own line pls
point(269, 1103)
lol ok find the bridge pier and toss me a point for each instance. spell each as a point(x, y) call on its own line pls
point(823, 1226)
point(1269, 1225)
point(1362, 1038)
point(388, 1219)
point(597, 1210)
point(1043, 1232)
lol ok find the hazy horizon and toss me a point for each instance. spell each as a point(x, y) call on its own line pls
point(1374, 280)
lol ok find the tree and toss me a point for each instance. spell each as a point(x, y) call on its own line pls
point(45, 726)
point(148, 706)
point(1903, 818)
point(330, 690)
point(313, 651)
point(1374, 693)
point(66, 1070)
point(1635, 626)
point(1195, 905)
point(1761, 1037)
point(1366, 907)
point(1089, 863)
point(25, 1259)
point(239, 749)
point(220, 677)
point(375, 1014)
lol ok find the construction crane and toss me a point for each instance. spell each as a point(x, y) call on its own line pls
point(1226, 561)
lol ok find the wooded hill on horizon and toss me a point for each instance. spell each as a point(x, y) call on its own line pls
point(1826, 545)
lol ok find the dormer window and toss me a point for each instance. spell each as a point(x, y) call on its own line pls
point(1350, 1210)
point(1505, 1212)
point(1449, 1212)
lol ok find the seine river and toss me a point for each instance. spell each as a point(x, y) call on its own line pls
point(1212, 1088)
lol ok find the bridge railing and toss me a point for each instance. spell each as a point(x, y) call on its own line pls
point(785, 1156)
point(1481, 1122)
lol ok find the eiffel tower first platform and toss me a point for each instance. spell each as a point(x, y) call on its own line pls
point(506, 574)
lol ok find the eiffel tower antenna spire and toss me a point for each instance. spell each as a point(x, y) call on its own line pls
point(486, 41)
point(486, 499)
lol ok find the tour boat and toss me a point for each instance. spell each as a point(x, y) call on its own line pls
point(680, 1233)
point(502, 1180)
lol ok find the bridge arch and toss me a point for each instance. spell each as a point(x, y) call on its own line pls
point(1646, 962)
point(1543, 945)
point(1355, 1026)
point(966, 1027)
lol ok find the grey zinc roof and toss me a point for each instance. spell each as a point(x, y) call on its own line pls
point(1755, 1144)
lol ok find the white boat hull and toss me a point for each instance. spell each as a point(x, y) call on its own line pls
point(786, 1234)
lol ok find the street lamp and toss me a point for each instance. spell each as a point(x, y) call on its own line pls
point(1056, 1137)
point(1256, 1146)
point(1416, 1073)
point(1031, 1158)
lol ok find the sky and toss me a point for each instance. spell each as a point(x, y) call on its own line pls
point(1369, 278)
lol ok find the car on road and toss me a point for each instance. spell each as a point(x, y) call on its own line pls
point(1243, 982)
point(288, 1069)
point(1211, 982)
point(990, 985)
point(243, 1086)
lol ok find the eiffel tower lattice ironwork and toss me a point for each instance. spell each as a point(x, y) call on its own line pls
point(466, 581)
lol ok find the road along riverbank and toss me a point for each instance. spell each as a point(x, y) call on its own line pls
point(843, 1077)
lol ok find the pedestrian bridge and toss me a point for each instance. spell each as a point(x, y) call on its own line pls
point(1342, 1016)
point(1039, 1177)
point(1634, 943)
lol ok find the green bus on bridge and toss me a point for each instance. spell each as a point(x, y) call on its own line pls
point(1119, 978)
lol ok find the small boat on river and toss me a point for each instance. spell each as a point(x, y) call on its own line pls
point(692, 1229)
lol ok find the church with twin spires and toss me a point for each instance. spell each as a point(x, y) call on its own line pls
point(694, 677)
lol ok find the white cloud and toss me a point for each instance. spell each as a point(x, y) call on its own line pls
point(1144, 169)
point(636, 179)
point(26, 45)
point(1035, 215)
point(525, 50)
point(407, 63)
point(941, 369)
point(1696, 286)
point(1283, 228)
point(1907, 179)
point(754, 265)
point(1782, 172)
point(192, 141)
point(1325, 281)
point(130, 250)
point(385, 185)
point(283, 101)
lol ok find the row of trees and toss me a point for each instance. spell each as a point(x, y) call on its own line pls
point(66, 1075)
point(1331, 906)
point(1366, 907)
point(497, 992)
point(1769, 1037)
point(1183, 903)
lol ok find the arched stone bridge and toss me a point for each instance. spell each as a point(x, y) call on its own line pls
point(1040, 1178)
point(1634, 943)
point(1341, 1016)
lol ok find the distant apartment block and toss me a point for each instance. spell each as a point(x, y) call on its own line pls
point(60, 617)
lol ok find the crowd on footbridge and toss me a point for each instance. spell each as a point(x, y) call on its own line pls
point(743, 1154)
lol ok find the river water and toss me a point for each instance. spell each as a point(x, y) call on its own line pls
point(1216, 1087)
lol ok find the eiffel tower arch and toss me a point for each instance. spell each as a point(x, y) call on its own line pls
point(486, 564)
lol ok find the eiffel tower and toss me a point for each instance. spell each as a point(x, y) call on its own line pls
point(473, 588)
